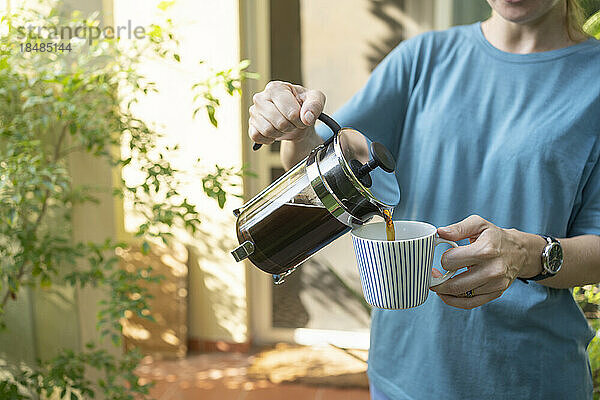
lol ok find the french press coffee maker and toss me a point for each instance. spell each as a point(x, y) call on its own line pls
point(343, 182)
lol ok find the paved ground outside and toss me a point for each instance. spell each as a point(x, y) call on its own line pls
point(222, 376)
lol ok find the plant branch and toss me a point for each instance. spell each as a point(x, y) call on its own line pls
point(61, 138)
point(71, 149)
point(40, 216)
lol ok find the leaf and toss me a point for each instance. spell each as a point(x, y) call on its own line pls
point(45, 282)
point(156, 32)
point(230, 87)
point(164, 5)
point(244, 64)
point(145, 247)
point(592, 25)
point(251, 75)
point(211, 115)
point(221, 198)
point(177, 57)
point(115, 339)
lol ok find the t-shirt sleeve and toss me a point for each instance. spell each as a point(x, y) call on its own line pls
point(378, 109)
point(587, 217)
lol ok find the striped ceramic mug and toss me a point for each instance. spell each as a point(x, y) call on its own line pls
point(397, 274)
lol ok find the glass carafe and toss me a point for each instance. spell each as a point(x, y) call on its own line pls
point(287, 224)
point(317, 201)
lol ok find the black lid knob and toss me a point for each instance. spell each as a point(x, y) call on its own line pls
point(381, 158)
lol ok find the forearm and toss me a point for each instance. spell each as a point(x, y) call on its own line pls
point(293, 152)
point(581, 265)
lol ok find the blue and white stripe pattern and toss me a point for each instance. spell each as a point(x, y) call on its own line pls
point(396, 274)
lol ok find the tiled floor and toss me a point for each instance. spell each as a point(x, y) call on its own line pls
point(222, 376)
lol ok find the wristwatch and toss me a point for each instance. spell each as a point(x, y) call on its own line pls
point(552, 259)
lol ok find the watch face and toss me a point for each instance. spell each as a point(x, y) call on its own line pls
point(555, 258)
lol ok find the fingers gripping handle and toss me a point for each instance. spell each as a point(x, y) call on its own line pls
point(439, 280)
point(327, 120)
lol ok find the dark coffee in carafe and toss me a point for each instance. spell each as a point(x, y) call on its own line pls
point(288, 234)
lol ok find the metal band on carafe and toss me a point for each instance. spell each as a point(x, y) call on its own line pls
point(330, 201)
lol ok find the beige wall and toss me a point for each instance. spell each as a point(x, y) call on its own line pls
point(339, 38)
point(208, 30)
point(336, 37)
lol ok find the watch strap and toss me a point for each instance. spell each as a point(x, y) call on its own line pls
point(544, 274)
point(539, 277)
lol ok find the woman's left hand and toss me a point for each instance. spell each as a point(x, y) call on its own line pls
point(494, 258)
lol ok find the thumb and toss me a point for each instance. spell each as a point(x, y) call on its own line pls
point(313, 102)
point(467, 228)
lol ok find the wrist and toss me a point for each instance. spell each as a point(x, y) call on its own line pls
point(309, 137)
point(532, 247)
point(293, 151)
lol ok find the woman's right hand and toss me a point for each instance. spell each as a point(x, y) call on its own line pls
point(284, 111)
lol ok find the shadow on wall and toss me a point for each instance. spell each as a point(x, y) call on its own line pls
point(165, 335)
point(314, 297)
point(385, 11)
point(217, 292)
point(345, 305)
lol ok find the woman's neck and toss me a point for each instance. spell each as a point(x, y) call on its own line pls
point(548, 32)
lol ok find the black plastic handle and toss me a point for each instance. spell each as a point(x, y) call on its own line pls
point(326, 119)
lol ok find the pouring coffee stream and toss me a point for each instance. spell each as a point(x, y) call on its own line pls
point(390, 232)
point(344, 182)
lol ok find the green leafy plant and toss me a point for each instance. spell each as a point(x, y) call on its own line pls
point(222, 182)
point(56, 104)
point(588, 299)
point(594, 353)
point(230, 79)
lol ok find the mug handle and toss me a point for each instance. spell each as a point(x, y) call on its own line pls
point(439, 280)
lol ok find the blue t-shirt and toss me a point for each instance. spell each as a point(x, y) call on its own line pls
point(515, 139)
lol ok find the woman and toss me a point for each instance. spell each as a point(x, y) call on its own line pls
point(501, 121)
